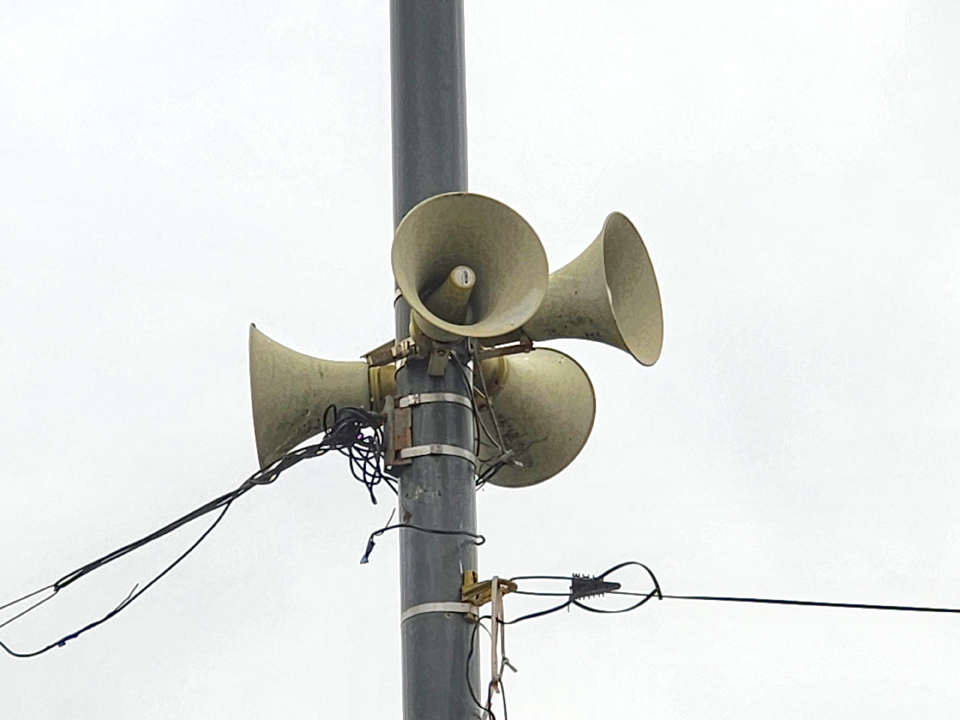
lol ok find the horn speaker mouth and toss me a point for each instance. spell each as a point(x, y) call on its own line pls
point(632, 287)
point(451, 230)
point(545, 405)
point(290, 392)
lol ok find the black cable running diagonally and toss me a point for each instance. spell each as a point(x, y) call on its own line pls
point(815, 603)
point(353, 432)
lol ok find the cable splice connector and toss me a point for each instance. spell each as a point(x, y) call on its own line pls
point(584, 586)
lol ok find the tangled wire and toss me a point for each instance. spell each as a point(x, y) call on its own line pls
point(358, 434)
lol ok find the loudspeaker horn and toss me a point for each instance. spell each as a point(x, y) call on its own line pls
point(469, 266)
point(291, 391)
point(608, 294)
point(544, 405)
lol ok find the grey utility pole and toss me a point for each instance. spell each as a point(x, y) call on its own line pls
point(436, 491)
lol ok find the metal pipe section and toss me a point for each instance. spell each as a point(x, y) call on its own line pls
point(436, 491)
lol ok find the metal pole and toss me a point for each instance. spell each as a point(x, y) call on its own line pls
point(430, 157)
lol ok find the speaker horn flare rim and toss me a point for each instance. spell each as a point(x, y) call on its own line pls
point(490, 238)
point(625, 252)
point(538, 398)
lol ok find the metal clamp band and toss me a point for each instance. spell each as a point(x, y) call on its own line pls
point(438, 449)
point(432, 397)
point(460, 608)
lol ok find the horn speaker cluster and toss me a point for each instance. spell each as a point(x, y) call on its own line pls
point(471, 267)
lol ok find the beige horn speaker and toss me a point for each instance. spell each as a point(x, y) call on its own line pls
point(469, 266)
point(291, 391)
point(544, 406)
point(608, 294)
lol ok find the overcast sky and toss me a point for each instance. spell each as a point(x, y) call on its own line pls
point(172, 171)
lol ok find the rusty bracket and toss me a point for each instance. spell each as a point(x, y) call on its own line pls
point(399, 433)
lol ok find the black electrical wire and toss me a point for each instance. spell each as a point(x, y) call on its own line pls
point(473, 694)
point(656, 592)
point(503, 697)
point(486, 709)
point(134, 594)
point(29, 609)
point(344, 431)
point(365, 451)
point(503, 694)
point(25, 597)
point(571, 599)
point(644, 596)
point(815, 603)
point(477, 539)
point(352, 431)
point(492, 470)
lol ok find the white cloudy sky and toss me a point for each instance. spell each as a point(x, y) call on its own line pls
point(172, 171)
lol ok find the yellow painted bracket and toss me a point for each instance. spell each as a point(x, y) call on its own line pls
point(480, 593)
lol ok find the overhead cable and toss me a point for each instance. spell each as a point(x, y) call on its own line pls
point(353, 432)
point(815, 603)
point(584, 586)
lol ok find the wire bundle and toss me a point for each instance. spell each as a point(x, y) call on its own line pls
point(494, 440)
point(358, 434)
point(354, 432)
